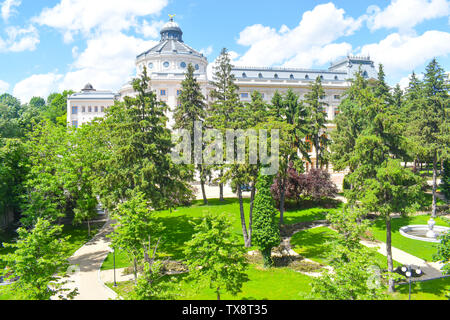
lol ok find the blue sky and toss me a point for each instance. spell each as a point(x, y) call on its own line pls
point(52, 45)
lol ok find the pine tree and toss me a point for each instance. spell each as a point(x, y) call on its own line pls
point(445, 181)
point(266, 233)
point(318, 119)
point(190, 109)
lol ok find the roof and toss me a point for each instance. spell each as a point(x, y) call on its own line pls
point(93, 95)
point(171, 42)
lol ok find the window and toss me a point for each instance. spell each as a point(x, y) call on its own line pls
point(336, 111)
point(74, 110)
point(365, 74)
point(102, 109)
point(336, 78)
point(321, 77)
point(178, 92)
point(307, 77)
point(96, 109)
point(183, 65)
point(150, 65)
point(244, 75)
point(260, 76)
point(276, 76)
point(75, 124)
point(83, 109)
point(166, 64)
point(178, 103)
point(89, 109)
point(163, 92)
point(337, 97)
point(291, 77)
point(263, 95)
point(197, 67)
point(244, 95)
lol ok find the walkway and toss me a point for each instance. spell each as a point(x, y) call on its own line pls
point(87, 261)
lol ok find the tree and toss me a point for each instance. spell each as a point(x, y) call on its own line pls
point(215, 257)
point(9, 117)
point(226, 101)
point(56, 109)
point(266, 233)
point(445, 181)
point(443, 253)
point(191, 109)
point(38, 256)
point(134, 228)
point(317, 121)
point(13, 170)
point(393, 189)
point(139, 145)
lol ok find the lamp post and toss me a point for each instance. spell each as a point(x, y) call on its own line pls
point(408, 271)
point(114, 263)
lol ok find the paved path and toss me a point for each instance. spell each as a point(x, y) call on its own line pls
point(431, 269)
point(89, 259)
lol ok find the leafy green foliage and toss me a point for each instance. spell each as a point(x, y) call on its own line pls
point(266, 233)
point(37, 259)
point(215, 256)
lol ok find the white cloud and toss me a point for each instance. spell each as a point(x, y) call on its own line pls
point(4, 86)
point(85, 16)
point(19, 39)
point(399, 53)
point(150, 30)
point(404, 82)
point(405, 14)
point(107, 62)
point(207, 51)
point(38, 85)
point(315, 32)
point(7, 8)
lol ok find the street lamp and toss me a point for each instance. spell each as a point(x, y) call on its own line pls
point(114, 264)
point(408, 271)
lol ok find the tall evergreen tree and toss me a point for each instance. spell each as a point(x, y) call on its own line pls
point(191, 109)
point(266, 233)
point(317, 121)
point(430, 121)
point(226, 104)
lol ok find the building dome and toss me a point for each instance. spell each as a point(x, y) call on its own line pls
point(171, 30)
point(88, 87)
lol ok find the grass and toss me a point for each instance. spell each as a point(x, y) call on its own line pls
point(284, 284)
point(427, 290)
point(421, 249)
point(314, 244)
point(179, 229)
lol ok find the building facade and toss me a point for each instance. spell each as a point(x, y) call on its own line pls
point(166, 65)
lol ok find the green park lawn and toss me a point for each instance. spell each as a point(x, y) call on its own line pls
point(314, 244)
point(179, 229)
point(420, 249)
point(284, 284)
point(428, 290)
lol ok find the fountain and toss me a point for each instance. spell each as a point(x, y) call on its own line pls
point(428, 233)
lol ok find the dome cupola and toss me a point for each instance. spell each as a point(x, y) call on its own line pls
point(171, 30)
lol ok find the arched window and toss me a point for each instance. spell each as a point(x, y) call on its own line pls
point(291, 77)
point(307, 77)
point(321, 77)
point(260, 76)
point(276, 76)
point(365, 74)
point(336, 78)
point(244, 75)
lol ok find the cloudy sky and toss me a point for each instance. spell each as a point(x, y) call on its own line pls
point(53, 45)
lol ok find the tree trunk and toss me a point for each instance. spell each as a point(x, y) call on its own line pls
point(267, 257)
point(135, 270)
point(205, 200)
point(218, 294)
point(250, 223)
point(243, 223)
point(282, 198)
point(434, 208)
point(221, 187)
point(89, 228)
point(317, 153)
point(390, 262)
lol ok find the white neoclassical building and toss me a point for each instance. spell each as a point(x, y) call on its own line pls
point(167, 62)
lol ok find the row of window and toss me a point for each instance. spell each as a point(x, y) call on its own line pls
point(291, 77)
point(246, 95)
point(89, 109)
point(166, 64)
